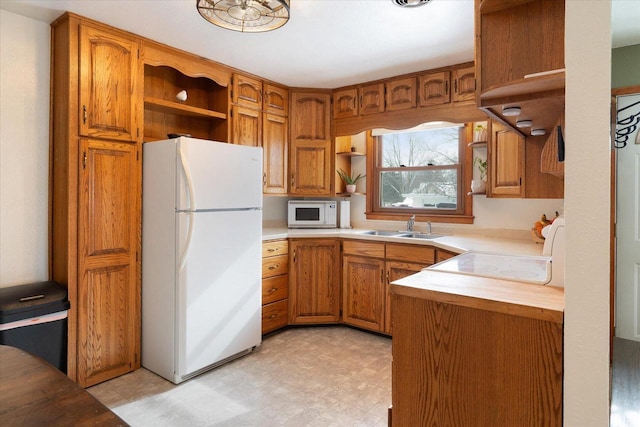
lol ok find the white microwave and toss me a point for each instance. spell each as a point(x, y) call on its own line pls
point(312, 214)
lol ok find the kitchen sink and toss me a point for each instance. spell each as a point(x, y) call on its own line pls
point(416, 235)
point(386, 233)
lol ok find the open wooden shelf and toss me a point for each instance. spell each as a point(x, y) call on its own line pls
point(171, 107)
point(526, 86)
point(350, 153)
point(477, 144)
point(481, 193)
point(345, 194)
point(490, 6)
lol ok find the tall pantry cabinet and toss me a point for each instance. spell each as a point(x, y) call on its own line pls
point(96, 185)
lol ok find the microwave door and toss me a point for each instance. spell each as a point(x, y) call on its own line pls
point(309, 215)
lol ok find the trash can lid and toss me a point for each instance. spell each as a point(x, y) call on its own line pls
point(32, 300)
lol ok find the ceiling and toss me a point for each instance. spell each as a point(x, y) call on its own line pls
point(326, 43)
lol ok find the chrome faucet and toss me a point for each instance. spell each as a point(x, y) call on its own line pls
point(410, 223)
point(428, 227)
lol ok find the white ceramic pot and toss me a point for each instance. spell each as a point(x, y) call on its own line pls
point(478, 186)
point(351, 188)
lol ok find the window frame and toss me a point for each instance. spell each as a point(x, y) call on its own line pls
point(462, 215)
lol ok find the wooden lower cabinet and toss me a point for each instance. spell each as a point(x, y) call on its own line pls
point(275, 285)
point(363, 292)
point(368, 269)
point(314, 291)
point(462, 366)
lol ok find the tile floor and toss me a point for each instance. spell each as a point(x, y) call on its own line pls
point(313, 376)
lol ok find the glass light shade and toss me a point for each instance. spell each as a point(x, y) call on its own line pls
point(248, 16)
point(537, 132)
point(511, 111)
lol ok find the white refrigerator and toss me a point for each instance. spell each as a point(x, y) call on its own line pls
point(201, 255)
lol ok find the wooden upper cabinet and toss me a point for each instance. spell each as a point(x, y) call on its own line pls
point(110, 76)
point(108, 246)
point(464, 84)
point(345, 103)
point(247, 91)
point(506, 153)
point(371, 98)
point(434, 88)
point(275, 145)
point(276, 99)
point(311, 148)
point(310, 118)
point(401, 94)
point(247, 126)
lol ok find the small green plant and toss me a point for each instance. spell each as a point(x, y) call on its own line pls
point(349, 179)
point(482, 167)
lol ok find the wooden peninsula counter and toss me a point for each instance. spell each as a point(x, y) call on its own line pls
point(475, 351)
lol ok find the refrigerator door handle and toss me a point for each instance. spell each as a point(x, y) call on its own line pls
point(189, 181)
point(183, 256)
point(191, 206)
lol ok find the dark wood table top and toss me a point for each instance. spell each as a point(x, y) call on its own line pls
point(34, 393)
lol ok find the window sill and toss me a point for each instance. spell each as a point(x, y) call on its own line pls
point(453, 219)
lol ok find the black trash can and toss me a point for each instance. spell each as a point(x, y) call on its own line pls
point(33, 317)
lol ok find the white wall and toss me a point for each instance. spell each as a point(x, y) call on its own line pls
point(587, 208)
point(24, 149)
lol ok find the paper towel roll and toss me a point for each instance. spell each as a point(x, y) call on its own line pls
point(345, 214)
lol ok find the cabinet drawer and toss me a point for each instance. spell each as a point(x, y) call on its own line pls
point(274, 316)
point(358, 247)
point(276, 247)
point(413, 253)
point(274, 266)
point(275, 288)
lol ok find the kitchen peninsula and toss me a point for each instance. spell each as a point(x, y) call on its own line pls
point(467, 350)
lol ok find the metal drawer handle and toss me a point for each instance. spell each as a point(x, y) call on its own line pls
point(272, 290)
point(273, 267)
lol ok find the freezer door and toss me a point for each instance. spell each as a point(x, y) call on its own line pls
point(216, 175)
point(219, 288)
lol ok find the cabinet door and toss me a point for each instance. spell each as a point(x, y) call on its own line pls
point(109, 79)
point(396, 270)
point(434, 89)
point(314, 291)
point(506, 162)
point(371, 99)
point(247, 127)
point(108, 244)
point(275, 145)
point(345, 103)
point(247, 91)
point(464, 84)
point(363, 292)
point(276, 100)
point(401, 94)
point(311, 152)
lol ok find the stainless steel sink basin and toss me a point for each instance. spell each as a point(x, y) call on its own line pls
point(416, 235)
point(386, 233)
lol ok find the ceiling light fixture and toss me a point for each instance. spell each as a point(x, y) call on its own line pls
point(247, 16)
point(524, 123)
point(410, 3)
point(511, 111)
point(538, 132)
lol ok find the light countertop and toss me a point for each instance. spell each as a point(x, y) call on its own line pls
point(455, 243)
point(504, 296)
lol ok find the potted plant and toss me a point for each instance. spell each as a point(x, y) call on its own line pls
point(350, 180)
point(479, 186)
point(480, 133)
